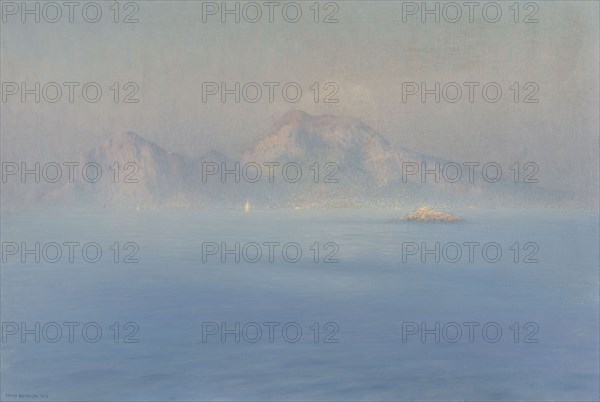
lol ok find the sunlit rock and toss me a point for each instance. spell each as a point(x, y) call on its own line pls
point(427, 214)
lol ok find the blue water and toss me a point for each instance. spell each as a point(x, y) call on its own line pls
point(368, 295)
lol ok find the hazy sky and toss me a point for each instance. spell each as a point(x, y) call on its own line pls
point(369, 53)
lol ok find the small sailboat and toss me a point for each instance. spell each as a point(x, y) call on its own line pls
point(247, 207)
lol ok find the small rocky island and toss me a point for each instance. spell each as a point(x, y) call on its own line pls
point(427, 214)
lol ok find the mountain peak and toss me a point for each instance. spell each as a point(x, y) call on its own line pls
point(129, 142)
point(356, 148)
point(127, 137)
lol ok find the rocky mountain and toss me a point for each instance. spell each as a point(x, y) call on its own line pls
point(372, 171)
point(360, 152)
point(341, 161)
point(135, 172)
point(428, 214)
